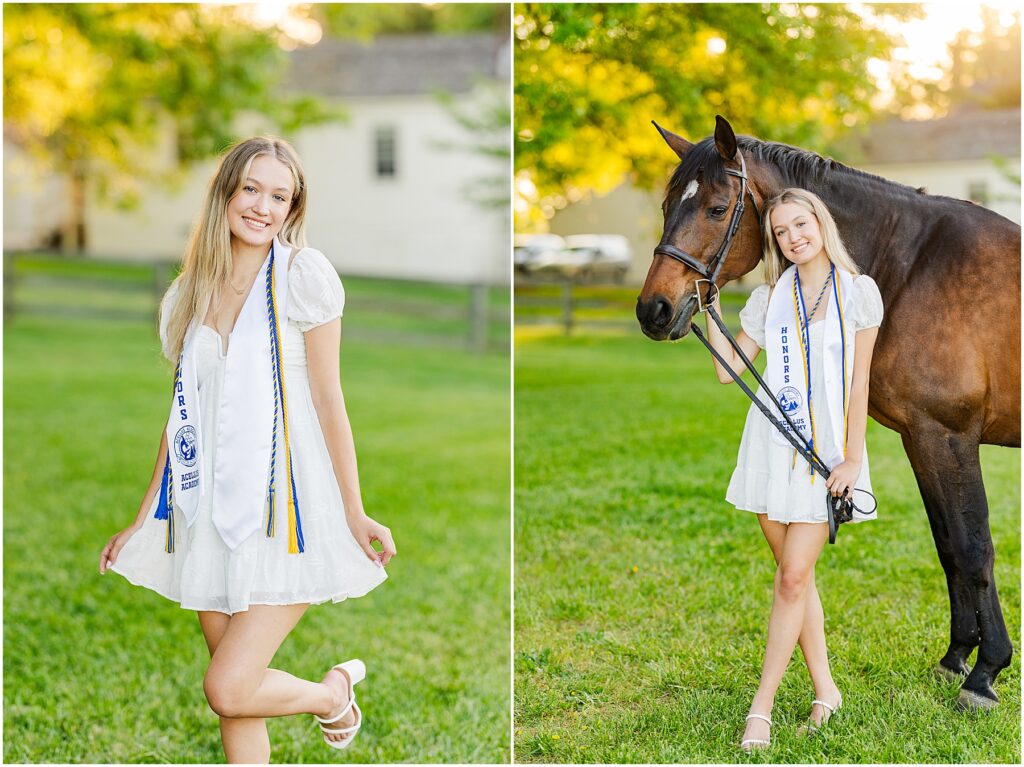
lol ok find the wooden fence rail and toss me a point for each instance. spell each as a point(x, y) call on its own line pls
point(576, 307)
point(474, 316)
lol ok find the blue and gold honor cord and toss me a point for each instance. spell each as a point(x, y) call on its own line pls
point(296, 544)
point(165, 506)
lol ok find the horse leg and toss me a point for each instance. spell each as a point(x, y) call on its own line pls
point(963, 624)
point(948, 471)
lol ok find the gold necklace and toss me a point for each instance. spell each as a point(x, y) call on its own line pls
point(241, 290)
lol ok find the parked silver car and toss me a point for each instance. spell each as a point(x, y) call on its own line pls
point(530, 249)
point(577, 256)
point(605, 255)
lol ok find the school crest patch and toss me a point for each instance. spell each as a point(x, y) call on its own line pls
point(790, 400)
point(185, 447)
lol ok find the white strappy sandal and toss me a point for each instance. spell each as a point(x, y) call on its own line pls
point(753, 744)
point(810, 728)
point(354, 671)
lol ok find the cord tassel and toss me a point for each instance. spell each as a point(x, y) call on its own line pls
point(296, 544)
point(169, 544)
point(270, 513)
point(164, 502)
point(165, 506)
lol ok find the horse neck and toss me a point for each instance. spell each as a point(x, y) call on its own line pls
point(875, 217)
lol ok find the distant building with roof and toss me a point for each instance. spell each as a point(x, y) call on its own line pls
point(388, 187)
point(399, 65)
point(970, 154)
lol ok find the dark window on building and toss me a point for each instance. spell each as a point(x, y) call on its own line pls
point(977, 191)
point(384, 143)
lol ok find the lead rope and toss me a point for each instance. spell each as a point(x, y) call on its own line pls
point(840, 509)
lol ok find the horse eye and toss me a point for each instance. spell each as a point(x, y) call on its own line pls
point(718, 211)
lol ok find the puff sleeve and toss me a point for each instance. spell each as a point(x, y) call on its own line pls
point(753, 314)
point(315, 292)
point(166, 307)
point(867, 303)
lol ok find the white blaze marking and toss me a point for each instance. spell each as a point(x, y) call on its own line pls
point(691, 190)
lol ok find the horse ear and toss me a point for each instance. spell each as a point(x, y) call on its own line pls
point(725, 139)
point(679, 145)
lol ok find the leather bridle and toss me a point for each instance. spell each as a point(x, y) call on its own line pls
point(709, 272)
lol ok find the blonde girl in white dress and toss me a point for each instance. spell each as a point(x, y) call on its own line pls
point(813, 312)
point(254, 510)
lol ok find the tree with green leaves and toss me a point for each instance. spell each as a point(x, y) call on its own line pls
point(88, 88)
point(986, 65)
point(365, 20)
point(590, 77)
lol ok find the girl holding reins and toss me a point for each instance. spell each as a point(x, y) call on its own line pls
point(817, 318)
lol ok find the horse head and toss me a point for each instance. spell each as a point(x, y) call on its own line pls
point(698, 210)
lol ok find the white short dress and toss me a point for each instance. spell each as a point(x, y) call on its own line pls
point(203, 573)
point(766, 479)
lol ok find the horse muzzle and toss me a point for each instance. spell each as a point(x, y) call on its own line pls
point(660, 321)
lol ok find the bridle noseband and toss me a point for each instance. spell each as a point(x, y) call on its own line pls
point(709, 271)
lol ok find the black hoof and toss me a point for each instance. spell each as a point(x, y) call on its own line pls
point(951, 675)
point(969, 700)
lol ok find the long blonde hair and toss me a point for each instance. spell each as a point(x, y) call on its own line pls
point(774, 262)
point(207, 262)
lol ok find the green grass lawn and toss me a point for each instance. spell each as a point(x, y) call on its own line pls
point(642, 597)
point(98, 670)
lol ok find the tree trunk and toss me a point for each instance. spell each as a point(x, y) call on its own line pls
point(74, 239)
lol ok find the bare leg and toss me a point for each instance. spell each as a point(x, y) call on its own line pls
point(245, 741)
point(800, 550)
point(812, 633)
point(239, 685)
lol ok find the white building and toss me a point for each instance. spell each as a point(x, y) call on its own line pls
point(387, 187)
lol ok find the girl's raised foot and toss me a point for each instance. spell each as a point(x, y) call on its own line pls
point(342, 723)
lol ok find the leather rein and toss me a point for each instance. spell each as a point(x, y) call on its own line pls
point(840, 509)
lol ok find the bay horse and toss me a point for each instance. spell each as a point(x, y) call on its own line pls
point(945, 373)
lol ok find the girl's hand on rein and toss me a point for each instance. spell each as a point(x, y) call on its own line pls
point(843, 477)
point(114, 546)
point(365, 530)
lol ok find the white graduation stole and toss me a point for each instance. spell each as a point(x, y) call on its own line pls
point(252, 405)
point(788, 371)
point(183, 481)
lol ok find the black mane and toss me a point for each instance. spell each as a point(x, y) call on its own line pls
point(799, 167)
